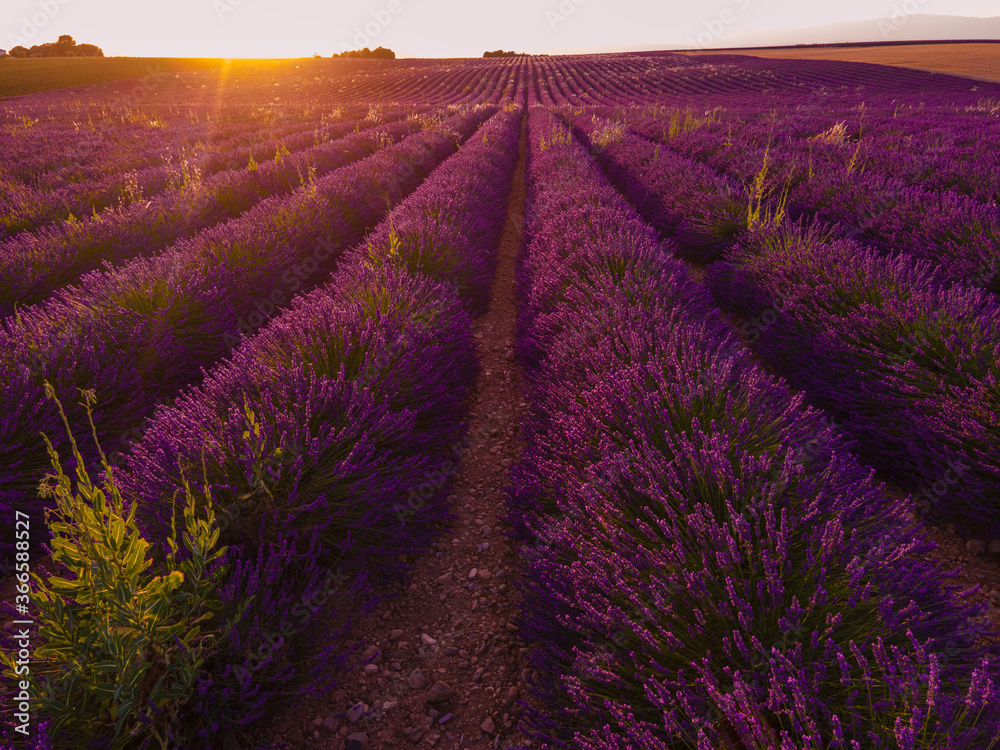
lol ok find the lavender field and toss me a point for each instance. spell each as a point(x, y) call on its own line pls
point(712, 343)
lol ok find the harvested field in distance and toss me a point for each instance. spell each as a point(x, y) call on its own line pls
point(972, 59)
point(20, 77)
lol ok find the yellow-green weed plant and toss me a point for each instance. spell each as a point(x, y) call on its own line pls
point(119, 649)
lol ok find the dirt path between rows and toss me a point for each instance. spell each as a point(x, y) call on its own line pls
point(443, 666)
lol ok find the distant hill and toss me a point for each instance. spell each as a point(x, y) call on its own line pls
point(917, 27)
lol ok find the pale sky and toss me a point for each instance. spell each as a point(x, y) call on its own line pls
point(428, 28)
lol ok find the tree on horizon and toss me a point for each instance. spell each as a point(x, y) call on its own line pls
point(381, 53)
point(65, 46)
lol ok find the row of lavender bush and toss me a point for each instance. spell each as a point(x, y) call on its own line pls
point(938, 147)
point(33, 265)
point(24, 208)
point(314, 438)
point(905, 361)
point(138, 333)
point(827, 310)
point(958, 232)
point(690, 202)
point(706, 565)
point(52, 147)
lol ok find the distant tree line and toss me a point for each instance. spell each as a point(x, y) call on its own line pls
point(65, 47)
point(501, 53)
point(380, 53)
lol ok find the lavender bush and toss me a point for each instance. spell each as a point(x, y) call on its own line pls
point(707, 566)
point(140, 332)
point(32, 266)
point(682, 199)
point(928, 350)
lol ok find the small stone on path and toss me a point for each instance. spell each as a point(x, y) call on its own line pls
point(439, 692)
point(331, 723)
point(416, 679)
